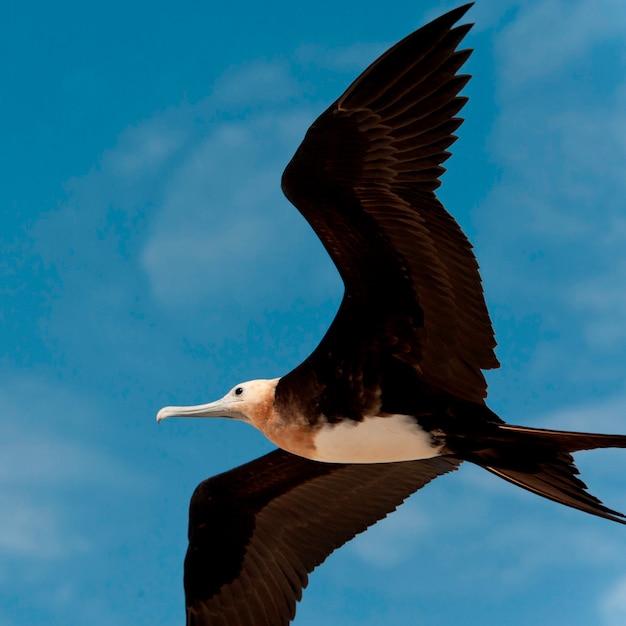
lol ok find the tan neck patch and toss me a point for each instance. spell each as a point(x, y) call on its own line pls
point(261, 412)
point(296, 437)
point(291, 433)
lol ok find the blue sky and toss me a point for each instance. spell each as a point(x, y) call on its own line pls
point(149, 258)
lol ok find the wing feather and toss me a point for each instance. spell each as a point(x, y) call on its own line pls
point(257, 531)
point(364, 177)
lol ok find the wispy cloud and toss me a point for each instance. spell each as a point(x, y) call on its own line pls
point(223, 217)
point(44, 475)
point(550, 234)
point(604, 415)
point(602, 299)
point(255, 84)
point(547, 36)
point(194, 192)
point(353, 58)
point(395, 539)
point(142, 149)
point(612, 605)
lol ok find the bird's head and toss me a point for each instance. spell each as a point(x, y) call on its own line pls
point(251, 402)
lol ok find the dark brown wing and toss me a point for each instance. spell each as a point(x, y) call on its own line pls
point(256, 531)
point(364, 178)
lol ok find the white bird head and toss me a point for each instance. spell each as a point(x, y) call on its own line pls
point(251, 402)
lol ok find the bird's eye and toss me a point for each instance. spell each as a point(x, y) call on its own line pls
point(238, 391)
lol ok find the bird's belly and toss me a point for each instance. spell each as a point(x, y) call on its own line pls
point(374, 440)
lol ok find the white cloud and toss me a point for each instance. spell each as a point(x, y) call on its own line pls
point(548, 35)
point(605, 415)
point(35, 530)
point(394, 539)
point(350, 59)
point(223, 215)
point(184, 206)
point(562, 168)
point(143, 148)
point(612, 606)
point(44, 477)
point(255, 84)
point(550, 234)
point(52, 462)
point(602, 299)
point(518, 558)
point(222, 218)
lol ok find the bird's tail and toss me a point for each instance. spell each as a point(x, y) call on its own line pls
point(540, 461)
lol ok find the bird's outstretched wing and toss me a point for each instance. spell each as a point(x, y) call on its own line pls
point(364, 178)
point(256, 531)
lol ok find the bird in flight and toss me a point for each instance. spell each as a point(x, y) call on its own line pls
point(394, 394)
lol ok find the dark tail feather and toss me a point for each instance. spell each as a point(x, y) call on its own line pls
point(540, 461)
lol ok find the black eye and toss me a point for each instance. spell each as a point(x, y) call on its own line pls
point(238, 391)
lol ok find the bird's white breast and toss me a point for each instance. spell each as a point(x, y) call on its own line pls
point(374, 440)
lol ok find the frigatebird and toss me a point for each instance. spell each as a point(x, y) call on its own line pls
point(394, 394)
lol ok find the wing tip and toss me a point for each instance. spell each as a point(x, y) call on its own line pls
point(452, 17)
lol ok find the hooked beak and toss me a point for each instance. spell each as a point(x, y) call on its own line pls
point(219, 408)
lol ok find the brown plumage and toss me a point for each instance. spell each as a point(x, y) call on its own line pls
point(257, 531)
point(364, 178)
point(399, 374)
